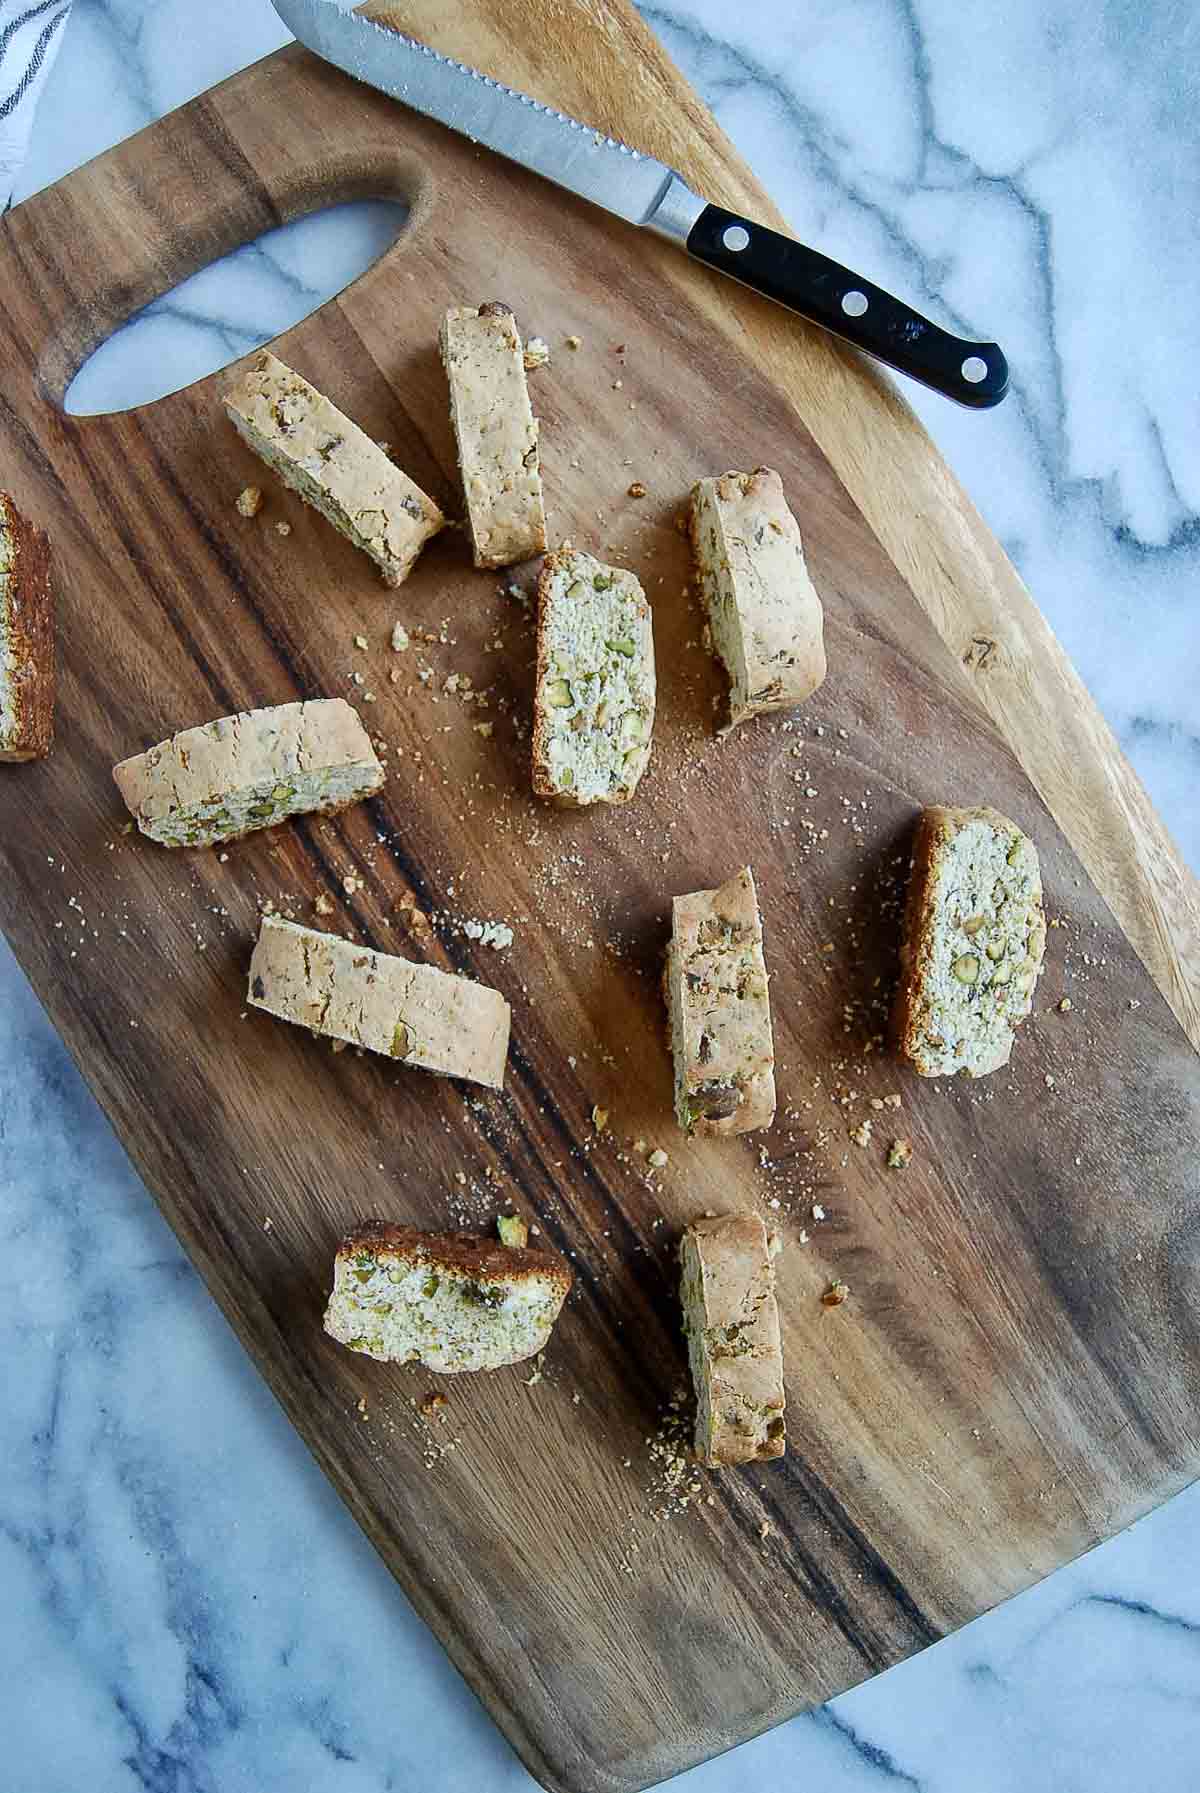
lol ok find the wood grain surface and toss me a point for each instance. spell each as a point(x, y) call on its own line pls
point(1013, 1376)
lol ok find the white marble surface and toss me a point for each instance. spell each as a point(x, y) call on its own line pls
point(174, 1573)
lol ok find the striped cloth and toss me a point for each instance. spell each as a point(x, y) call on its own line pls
point(30, 33)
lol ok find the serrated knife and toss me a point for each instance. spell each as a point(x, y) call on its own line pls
point(649, 194)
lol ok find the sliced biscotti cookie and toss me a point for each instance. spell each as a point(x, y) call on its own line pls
point(594, 699)
point(720, 1012)
point(496, 432)
point(727, 1290)
point(413, 1013)
point(974, 937)
point(450, 1301)
point(26, 638)
point(764, 614)
point(334, 465)
point(230, 777)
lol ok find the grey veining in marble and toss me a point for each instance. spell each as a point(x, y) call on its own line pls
point(176, 1578)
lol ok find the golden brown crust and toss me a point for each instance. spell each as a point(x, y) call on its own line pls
point(30, 627)
point(474, 1253)
point(542, 785)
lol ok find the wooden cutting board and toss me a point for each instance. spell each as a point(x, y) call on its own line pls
point(1014, 1374)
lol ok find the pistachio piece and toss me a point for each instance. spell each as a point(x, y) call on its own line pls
point(558, 694)
point(576, 589)
point(994, 950)
point(1002, 974)
point(714, 1102)
point(973, 924)
point(430, 1286)
point(513, 1231)
point(622, 645)
point(602, 581)
point(631, 728)
point(400, 1041)
point(1014, 852)
point(566, 778)
point(966, 968)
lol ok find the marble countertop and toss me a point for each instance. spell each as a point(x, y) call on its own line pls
point(175, 1574)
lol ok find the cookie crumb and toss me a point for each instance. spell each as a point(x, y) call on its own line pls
point(250, 501)
point(900, 1154)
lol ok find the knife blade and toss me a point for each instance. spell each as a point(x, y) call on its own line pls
point(648, 194)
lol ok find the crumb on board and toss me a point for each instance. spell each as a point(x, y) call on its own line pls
point(322, 904)
point(574, 342)
point(361, 643)
point(537, 353)
point(861, 1135)
point(250, 501)
point(400, 638)
point(434, 1403)
point(599, 1118)
point(637, 489)
point(1065, 1006)
point(658, 1159)
point(283, 528)
point(835, 1294)
point(900, 1154)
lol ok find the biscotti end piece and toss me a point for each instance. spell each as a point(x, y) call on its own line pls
point(413, 1013)
point(974, 938)
point(727, 1290)
point(241, 773)
point(496, 432)
point(26, 638)
point(594, 698)
point(450, 1301)
point(764, 614)
point(720, 1012)
point(334, 465)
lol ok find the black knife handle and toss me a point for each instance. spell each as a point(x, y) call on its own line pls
point(974, 373)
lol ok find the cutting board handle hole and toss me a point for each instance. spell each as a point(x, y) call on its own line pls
point(143, 338)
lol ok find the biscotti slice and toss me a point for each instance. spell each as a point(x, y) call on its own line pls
point(230, 777)
point(764, 614)
point(413, 1013)
point(720, 1012)
point(727, 1289)
point(594, 699)
point(450, 1301)
point(26, 638)
point(974, 936)
point(496, 432)
point(334, 465)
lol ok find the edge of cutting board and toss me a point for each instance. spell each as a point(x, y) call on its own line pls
point(600, 61)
